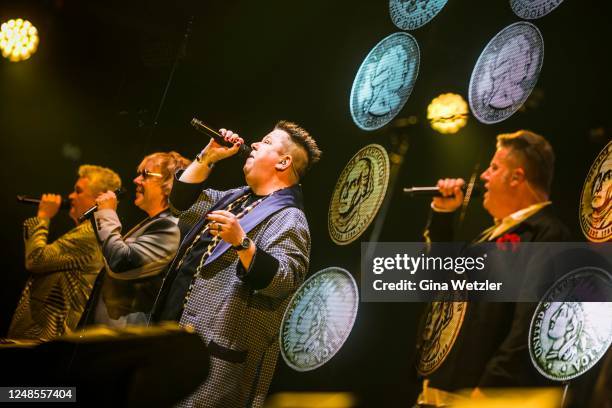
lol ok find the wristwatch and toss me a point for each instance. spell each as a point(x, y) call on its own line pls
point(244, 244)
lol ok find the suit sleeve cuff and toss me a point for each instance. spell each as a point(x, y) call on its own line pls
point(260, 273)
point(34, 221)
point(183, 195)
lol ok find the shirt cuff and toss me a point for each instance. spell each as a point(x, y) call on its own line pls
point(440, 210)
point(262, 270)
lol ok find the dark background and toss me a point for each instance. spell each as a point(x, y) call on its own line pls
point(94, 88)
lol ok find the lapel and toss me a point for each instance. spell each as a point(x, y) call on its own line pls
point(222, 203)
point(288, 197)
point(531, 222)
point(146, 221)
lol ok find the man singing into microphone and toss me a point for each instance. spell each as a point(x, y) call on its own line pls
point(62, 272)
point(135, 260)
point(247, 252)
point(491, 348)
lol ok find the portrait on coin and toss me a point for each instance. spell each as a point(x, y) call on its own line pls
point(439, 317)
point(314, 327)
point(354, 191)
point(383, 80)
point(514, 64)
point(565, 329)
point(601, 196)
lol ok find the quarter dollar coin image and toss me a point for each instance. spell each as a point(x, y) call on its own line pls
point(506, 72)
point(319, 319)
point(384, 81)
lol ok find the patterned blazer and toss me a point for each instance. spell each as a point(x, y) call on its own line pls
point(236, 311)
point(62, 276)
point(134, 265)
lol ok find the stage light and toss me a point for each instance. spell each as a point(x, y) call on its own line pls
point(18, 39)
point(448, 113)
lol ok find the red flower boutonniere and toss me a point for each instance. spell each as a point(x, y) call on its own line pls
point(508, 242)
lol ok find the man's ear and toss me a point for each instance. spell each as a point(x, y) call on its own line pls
point(283, 163)
point(518, 176)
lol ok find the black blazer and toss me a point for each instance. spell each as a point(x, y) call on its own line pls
point(491, 349)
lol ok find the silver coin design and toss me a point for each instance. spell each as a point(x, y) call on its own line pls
point(506, 72)
point(412, 14)
point(533, 9)
point(319, 319)
point(567, 338)
point(384, 81)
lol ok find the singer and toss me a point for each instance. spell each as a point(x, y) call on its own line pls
point(491, 349)
point(62, 272)
point(246, 253)
point(135, 261)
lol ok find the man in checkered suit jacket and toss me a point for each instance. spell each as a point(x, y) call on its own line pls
point(244, 253)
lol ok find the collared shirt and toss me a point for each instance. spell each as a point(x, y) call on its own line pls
point(515, 219)
point(505, 224)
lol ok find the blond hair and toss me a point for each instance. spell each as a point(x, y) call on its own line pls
point(100, 178)
point(168, 163)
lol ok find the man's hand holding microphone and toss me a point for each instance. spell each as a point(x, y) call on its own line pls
point(452, 195)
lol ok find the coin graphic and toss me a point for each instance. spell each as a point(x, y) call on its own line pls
point(319, 319)
point(567, 338)
point(533, 9)
point(358, 194)
point(412, 14)
point(506, 72)
point(440, 330)
point(384, 81)
point(596, 199)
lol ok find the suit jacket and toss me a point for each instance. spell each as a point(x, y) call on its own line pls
point(62, 276)
point(238, 312)
point(491, 349)
point(134, 265)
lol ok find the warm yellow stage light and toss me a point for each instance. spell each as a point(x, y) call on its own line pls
point(448, 113)
point(18, 39)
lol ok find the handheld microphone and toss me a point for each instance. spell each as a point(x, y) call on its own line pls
point(89, 213)
point(24, 199)
point(435, 192)
point(198, 125)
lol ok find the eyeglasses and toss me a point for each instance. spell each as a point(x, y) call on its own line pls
point(145, 174)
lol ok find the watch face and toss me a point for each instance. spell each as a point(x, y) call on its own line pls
point(246, 243)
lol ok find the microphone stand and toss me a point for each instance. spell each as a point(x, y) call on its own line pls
point(181, 53)
point(468, 193)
